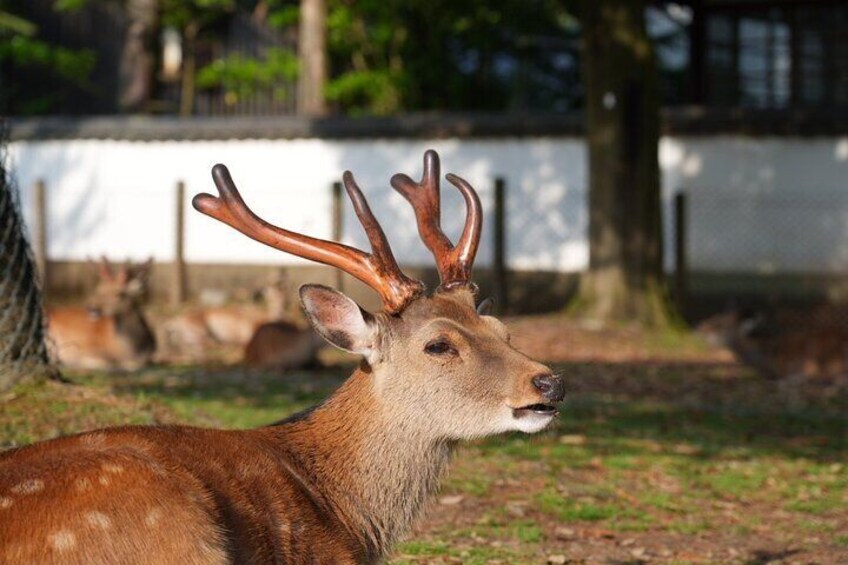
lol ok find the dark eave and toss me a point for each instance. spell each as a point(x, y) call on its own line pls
point(676, 121)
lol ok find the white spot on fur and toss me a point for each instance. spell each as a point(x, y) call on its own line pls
point(104, 480)
point(83, 484)
point(63, 540)
point(113, 468)
point(29, 486)
point(5, 502)
point(152, 517)
point(99, 519)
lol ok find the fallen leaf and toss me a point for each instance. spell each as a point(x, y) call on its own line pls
point(452, 500)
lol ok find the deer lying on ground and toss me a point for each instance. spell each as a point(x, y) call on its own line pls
point(285, 343)
point(233, 324)
point(111, 332)
point(340, 483)
point(784, 343)
point(282, 345)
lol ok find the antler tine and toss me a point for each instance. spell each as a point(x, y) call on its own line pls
point(454, 262)
point(104, 269)
point(379, 270)
point(381, 252)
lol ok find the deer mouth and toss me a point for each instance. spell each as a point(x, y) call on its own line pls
point(535, 409)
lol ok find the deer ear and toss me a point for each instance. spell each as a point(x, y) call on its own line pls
point(485, 307)
point(340, 320)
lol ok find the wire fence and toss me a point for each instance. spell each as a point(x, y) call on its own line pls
point(770, 273)
point(23, 351)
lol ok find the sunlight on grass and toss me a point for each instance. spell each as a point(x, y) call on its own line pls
point(618, 463)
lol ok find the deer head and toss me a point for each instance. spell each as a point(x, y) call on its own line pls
point(436, 361)
point(118, 290)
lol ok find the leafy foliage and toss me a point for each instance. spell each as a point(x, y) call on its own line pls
point(182, 13)
point(21, 49)
point(391, 56)
point(242, 76)
point(385, 56)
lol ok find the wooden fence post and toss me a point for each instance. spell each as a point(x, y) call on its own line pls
point(338, 226)
point(178, 287)
point(499, 267)
point(40, 232)
point(681, 269)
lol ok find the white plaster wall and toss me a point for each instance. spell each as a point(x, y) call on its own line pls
point(117, 197)
point(765, 205)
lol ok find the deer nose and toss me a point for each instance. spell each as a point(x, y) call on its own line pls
point(550, 386)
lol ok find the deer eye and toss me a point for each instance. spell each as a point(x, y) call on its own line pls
point(440, 346)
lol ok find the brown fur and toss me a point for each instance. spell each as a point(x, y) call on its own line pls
point(233, 324)
point(282, 345)
point(112, 331)
point(784, 343)
point(339, 484)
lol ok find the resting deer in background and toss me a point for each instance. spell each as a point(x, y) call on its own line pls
point(111, 332)
point(784, 343)
point(282, 345)
point(233, 324)
point(340, 483)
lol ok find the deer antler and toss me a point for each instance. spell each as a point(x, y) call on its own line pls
point(377, 269)
point(453, 262)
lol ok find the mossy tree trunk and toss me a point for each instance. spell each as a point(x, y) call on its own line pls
point(23, 353)
point(312, 53)
point(625, 277)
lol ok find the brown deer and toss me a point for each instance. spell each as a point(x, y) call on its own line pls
point(784, 343)
point(340, 483)
point(233, 324)
point(111, 332)
point(282, 345)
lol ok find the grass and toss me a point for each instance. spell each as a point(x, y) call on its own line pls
point(682, 459)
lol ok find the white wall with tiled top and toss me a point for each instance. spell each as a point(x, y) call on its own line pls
point(117, 198)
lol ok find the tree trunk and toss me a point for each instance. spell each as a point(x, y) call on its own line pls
point(138, 59)
point(188, 85)
point(23, 353)
point(625, 277)
point(312, 53)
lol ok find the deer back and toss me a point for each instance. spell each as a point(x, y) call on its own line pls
point(282, 345)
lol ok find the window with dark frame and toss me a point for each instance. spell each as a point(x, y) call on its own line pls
point(791, 56)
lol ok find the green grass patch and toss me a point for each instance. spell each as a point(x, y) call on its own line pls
point(36, 411)
point(651, 450)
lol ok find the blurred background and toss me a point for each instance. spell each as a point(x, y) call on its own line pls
point(116, 104)
point(666, 221)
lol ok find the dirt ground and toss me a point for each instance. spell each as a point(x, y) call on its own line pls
point(709, 464)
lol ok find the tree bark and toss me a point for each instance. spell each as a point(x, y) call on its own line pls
point(625, 277)
point(23, 352)
point(138, 60)
point(312, 53)
point(188, 85)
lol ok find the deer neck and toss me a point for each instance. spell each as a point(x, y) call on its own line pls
point(373, 469)
point(132, 327)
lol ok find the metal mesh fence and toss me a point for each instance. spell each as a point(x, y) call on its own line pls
point(23, 351)
point(770, 275)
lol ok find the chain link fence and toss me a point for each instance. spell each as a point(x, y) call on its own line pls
point(23, 352)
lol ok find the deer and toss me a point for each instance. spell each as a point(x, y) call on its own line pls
point(781, 344)
point(233, 324)
point(339, 483)
point(282, 345)
point(111, 331)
